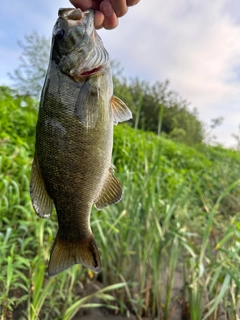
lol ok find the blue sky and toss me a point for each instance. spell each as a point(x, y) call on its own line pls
point(193, 43)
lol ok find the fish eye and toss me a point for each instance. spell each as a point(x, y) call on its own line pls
point(60, 34)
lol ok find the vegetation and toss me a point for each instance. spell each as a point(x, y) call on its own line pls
point(29, 76)
point(179, 214)
point(155, 107)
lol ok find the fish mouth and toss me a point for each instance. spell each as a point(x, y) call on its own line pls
point(71, 13)
point(73, 16)
point(90, 72)
point(86, 73)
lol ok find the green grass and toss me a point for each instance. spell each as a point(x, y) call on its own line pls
point(180, 210)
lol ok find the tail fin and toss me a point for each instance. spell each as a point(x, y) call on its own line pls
point(66, 254)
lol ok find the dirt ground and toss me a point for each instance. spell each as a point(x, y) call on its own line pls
point(179, 310)
point(98, 315)
point(176, 308)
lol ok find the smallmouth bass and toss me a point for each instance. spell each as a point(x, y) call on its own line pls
point(72, 169)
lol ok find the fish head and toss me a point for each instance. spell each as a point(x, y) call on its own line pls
point(77, 49)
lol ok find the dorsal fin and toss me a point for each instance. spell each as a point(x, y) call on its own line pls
point(41, 201)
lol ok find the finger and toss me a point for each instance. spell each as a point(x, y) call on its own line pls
point(111, 22)
point(131, 3)
point(96, 4)
point(98, 20)
point(110, 18)
point(82, 4)
point(120, 7)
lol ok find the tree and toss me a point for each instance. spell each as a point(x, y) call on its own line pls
point(28, 78)
point(237, 139)
point(158, 109)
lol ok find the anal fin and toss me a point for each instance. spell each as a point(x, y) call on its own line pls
point(111, 192)
point(41, 201)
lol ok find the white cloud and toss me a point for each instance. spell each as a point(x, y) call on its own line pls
point(195, 45)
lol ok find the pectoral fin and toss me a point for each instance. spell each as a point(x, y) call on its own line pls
point(41, 201)
point(111, 192)
point(120, 111)
point(86, 108)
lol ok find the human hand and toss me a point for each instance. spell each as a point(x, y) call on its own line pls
point(107, 12)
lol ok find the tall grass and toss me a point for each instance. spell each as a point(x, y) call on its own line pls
point(180, 212)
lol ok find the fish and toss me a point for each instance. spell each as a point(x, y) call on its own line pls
point(72, 168)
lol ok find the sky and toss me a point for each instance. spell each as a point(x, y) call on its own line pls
point(194, 44)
